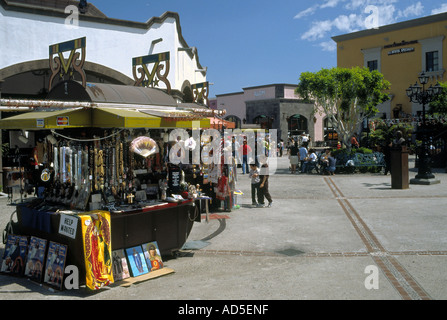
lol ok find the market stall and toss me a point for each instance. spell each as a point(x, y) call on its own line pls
point(99, 168)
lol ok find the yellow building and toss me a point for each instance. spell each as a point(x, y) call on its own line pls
point(400, 52)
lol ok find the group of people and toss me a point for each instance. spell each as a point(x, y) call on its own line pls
point(307, 160)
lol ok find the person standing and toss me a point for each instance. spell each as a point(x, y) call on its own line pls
point(281, 147)
point(245, 151)
point(293, 157)
point(264, 186)
point(255, 182)
point(303, 156)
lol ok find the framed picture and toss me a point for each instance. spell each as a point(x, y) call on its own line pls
point(137, 262)
point(55, 264)
point(36, 259)
point(152, 255)
point(120, 267)
point(14, 257)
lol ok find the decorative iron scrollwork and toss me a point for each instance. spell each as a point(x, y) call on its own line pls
point(152, 78)
point(200, 92)
point(67, 67)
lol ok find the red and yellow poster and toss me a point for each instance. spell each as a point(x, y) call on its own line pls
point(97, 239)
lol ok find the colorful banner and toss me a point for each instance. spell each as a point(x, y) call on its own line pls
point(97, 239)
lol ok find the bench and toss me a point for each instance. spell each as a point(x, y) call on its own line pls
point(349, 164)
point(375, 159)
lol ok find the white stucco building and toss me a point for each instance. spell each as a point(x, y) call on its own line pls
point(29, 27)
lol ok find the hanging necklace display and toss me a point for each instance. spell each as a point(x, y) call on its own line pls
point(79, 169)
point(113, 172)
point(107, 168)
point(63, 169)
point(90, 166)
point(121, 166)
point(121, 172)
point(84, 182)
point(70, 165)
point(74, 168)
point(126, 184)
point(95, 168)
point(83, 196)
point(131, 165)
point(101, 169)
point(117, 166)
point(56, 163)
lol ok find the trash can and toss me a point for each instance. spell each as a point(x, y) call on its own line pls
point(399, 167)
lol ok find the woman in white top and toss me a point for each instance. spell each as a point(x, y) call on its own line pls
point(310, 160)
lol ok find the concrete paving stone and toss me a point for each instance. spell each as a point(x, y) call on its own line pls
point(309, 245)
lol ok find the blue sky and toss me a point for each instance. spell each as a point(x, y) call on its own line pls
point(247, 43)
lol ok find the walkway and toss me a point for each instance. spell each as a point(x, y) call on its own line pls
point(326, 237)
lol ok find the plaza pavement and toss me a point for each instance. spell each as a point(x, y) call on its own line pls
point(348, 237)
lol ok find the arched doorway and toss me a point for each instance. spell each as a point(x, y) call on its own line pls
point(266, 122)
point(297, 124)
point(235, 119)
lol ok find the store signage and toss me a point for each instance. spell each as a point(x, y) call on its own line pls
point(399, 51)
point(259, 93)
point(40, 123)
point(62, 121)
point(400, 44)
point(68, 226)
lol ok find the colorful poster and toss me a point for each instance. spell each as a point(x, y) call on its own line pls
point(152, 256)
point(137, 261)
point(120, 267)
point(55, 264)
point(36, 259)
point(15, 255)
point(97, 238)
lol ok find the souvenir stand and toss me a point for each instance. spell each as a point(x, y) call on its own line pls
point(103, 174)
point(109, 195)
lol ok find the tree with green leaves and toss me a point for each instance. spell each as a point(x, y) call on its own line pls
point(345, 96)
point(439, 105)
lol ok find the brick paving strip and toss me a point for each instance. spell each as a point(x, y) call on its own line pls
point(402, 281)
point(397, 275)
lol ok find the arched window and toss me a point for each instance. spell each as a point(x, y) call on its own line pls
point(266, 122)
point(188, 96)
point(234, 119)
point(297, 124)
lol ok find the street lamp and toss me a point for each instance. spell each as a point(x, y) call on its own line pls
point(419, 94)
